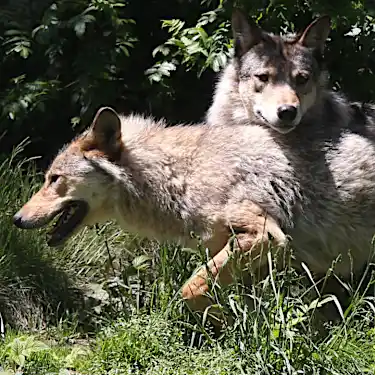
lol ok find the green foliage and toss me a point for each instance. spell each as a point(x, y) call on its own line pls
point(152, 343)
point(60, 53)
point(21, 349)
point(28, 354)
point(192, 46)
point(61, 60)
point(208, 43)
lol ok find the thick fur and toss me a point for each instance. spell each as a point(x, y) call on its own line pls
point(165, 182)
point(330, 143)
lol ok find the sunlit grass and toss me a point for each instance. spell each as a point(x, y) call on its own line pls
point(108, 303)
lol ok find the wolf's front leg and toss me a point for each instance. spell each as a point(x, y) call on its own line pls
point(251, 244)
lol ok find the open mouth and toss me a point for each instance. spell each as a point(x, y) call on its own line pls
point(68, 219)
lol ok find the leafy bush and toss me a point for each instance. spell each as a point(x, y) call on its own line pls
point(208, 43)
point(59, 55)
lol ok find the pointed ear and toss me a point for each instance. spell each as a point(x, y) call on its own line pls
point(246, 33)
point(105, 133)
point(316, 34)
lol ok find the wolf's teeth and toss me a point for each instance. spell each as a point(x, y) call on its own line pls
point(62, 220)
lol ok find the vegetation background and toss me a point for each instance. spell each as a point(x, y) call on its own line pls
point(108, 301)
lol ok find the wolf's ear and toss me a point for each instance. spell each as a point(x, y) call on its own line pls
point(105, 132)
point(246, 33)
point(316, 34)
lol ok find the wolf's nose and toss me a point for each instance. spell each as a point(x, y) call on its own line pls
point(17, 220)
point(287, 113)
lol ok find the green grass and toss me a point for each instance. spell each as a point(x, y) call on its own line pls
point(152, 344)
point(108, 303)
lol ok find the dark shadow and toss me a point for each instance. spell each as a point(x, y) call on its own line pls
point(34, 291)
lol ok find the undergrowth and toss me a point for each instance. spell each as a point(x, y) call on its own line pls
point(108, 303)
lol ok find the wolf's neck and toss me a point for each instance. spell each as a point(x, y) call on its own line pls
point(227, 107)
point(148, 195)
point(331, 109)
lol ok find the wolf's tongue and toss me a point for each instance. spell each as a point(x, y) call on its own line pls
point(66, 222)
point(63, 219)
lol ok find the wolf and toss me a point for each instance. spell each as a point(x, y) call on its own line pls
point(279, 81)
point(166, 183)
point(241, 188)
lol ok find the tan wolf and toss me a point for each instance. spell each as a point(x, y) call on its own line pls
point(166, 182)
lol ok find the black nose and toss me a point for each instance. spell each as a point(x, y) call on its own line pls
point(287, 113)
point(17, 220)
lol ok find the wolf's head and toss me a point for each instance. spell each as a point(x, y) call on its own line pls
point(76, 187)
point(279, 77)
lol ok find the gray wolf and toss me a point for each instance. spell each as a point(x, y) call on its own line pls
point(280, 82)
point(215, 181)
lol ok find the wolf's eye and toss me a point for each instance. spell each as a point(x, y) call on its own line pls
point(302, 79)
point(262, 77)
point(54, 178)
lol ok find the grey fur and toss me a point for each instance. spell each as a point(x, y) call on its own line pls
point(328, 201)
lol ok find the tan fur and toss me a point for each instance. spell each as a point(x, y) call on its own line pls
point(255, 240)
